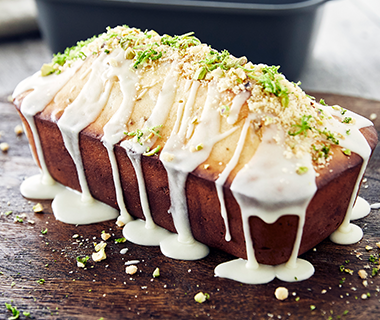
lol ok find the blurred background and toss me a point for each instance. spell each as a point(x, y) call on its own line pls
point(330, 46)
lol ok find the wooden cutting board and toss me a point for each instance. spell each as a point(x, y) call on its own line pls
point(47, 249)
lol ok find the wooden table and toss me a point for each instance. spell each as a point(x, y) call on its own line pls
point(104, 290)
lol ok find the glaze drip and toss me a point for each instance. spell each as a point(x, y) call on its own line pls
point(278, 180)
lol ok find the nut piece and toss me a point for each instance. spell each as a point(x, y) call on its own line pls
point(281, 293)
point(19, 130)
point(4, 146)
point(105, 236)
point(99, 256)
point(38, 208)
point(132, 269)
point(201, 297)
point(363, 274)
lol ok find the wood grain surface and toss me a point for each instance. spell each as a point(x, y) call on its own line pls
point(104, 290)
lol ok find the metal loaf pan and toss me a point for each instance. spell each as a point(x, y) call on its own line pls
point(275, 32)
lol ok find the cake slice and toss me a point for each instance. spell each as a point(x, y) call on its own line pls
point(192, 148)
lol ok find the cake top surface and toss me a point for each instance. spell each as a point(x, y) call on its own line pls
point(273, 99)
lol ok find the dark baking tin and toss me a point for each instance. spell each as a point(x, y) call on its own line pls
point(275, 32)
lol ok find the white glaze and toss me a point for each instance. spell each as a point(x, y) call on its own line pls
point(237, 104)
point(206, 133)
point(43, 91)
point(69, 207)
point(226, 172)
point(34, 188)
point(348, 233)
point(115, 127)
point(261, 188)
point(151, 234)
point(361, 209)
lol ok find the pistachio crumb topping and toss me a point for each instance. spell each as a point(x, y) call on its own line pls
point(201, 297)
point(274, 99)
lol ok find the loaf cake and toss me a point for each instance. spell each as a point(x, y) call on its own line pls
point(191, 148)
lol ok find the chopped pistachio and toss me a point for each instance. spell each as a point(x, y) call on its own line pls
point(47, 69)
point(99, 255)
point(129, 53)
point(81, 262)
point(120, 240)
point(156, 273)
point(201, 297)
point(18, 219)
point(302, 170)
point(99, 246)
point(347, 152)
point(224, 110)
point(199, 147)
point(200, 73)
point(41, 281)
point(105, 236)
point(38, 208)
point(44, 231)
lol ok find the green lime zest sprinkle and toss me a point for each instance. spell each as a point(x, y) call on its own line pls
point(44, 231)
point(83, 260)
point(347, 120)
point(270, 80)
point(303, 127)
point(120, 240)
point(181, 42)
point(201, 297)
point(143, 56)
point(152, 152)
point(41, 281)
point(15, 312)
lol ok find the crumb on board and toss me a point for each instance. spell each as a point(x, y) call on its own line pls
point(281, 293)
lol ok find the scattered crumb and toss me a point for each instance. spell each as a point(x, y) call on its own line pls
point(19, 130)
point(132, 269)
point(201, 297)
point(38, 208)
point(373, 116)
point(99, 256)
point(105, 236)
point(4, 147)
point(120, 223)
point(363, 274)
point(281, 293)
point(156, 273)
